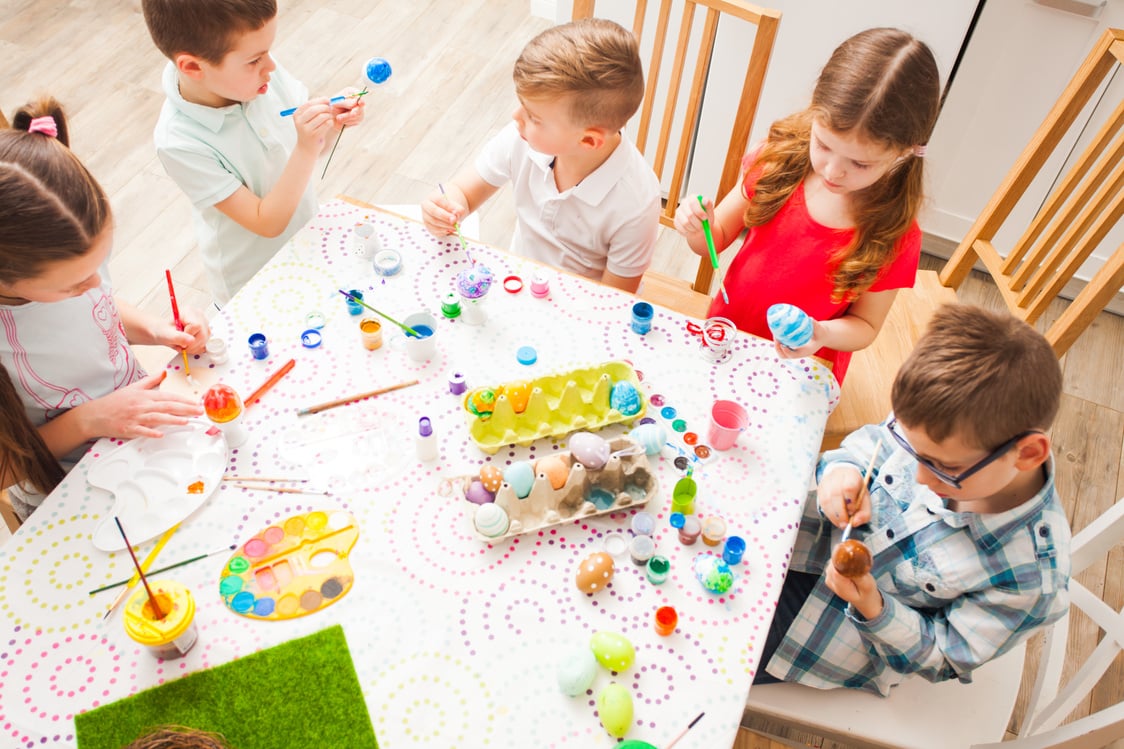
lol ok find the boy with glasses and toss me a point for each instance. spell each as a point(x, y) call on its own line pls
point(970, 544)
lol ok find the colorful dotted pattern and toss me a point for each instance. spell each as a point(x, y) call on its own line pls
point(455, 641)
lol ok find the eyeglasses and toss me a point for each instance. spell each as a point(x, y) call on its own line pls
point(960, 478)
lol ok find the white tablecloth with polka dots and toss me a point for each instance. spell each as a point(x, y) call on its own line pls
point(456, 642)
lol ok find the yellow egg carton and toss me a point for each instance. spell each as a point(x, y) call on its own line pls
point(522, 411)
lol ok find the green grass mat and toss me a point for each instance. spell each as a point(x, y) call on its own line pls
point(302, 693)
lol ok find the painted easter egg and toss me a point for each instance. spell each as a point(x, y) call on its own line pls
point(479, 494)
point(491, 520)
point(521, 476)
point(480, 401)
point(589, 449)
point(791, 326)
point(518, 393)
point(612, 650)
point(377, 70)
point(852, 558)
point(491, 477)
point(221, 403)
point(576, 672)
point(474, 282)
point(624, 397)
point(555, 470)
point(713, 573)
point(614, 706)
point(651, 437)
point(594, 572)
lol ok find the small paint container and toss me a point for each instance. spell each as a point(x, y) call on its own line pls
point(354, 307)
point(615, 544)
point(259, 346)
point(370, 330)
point(457, 385)
point(643, 523)
point(423, 346)
point(713, 530)
point(365, 241)
point(314, 319)
point(641, 549)
point(172, 635)
point(690, 531)
point(718, 336)
point(733, 550)
point(666, 621)
point(642, 314)
point(676, 520)
point(216, 350)
point(387, 263)
point(683, 496)
point(658, 569)
point(540, 286)
point(451, 305)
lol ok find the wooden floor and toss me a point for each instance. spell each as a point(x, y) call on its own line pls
point(450, 90)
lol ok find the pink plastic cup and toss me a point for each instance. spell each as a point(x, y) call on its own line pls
point(727, 421)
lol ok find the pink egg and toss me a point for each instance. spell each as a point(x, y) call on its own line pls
point(491, 477)
point(555, 470)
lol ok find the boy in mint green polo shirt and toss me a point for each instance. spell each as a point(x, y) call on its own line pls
point(221, 138)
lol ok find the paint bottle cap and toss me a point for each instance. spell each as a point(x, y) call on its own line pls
point(425, 429)
point(451, 305)
point(311, 338)
point(526, 355)
point(457, 384)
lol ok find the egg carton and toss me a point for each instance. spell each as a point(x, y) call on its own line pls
point(625, 481)
point(555, 405)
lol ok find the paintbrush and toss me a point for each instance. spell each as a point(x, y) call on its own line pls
point(863, 489)
point(179, 322)
point(385, 316)
point(278, 489)
point(273, 380)
point(457, 228)
point(713, 252)
point(684, 731)
point(333, 100)
point(182, 563)
point(148, 560)
point(342, 128)
point(151, 596)
point(353, 398)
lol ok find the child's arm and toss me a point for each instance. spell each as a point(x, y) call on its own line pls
point(141, 328)
point(466, 193)
point(726, 221)
point(270, 214)
point(853, 331)
point(621, 282)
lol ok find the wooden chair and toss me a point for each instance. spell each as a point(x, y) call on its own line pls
point(1085, 204)
point(8, 513)
point(693, 299)
point(950, 714)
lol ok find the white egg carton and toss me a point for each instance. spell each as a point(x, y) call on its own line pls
point(625, 481)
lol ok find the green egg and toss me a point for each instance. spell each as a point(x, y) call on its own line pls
point(614, 705)
point(612, 650)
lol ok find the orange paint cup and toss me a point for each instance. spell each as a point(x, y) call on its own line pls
point(666, 620)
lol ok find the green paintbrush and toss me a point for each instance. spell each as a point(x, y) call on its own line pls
point(713, 253)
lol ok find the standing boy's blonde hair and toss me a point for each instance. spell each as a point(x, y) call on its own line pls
point(594, 62)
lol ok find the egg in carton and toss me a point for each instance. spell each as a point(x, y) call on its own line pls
point(559, 487)
point(521, 411)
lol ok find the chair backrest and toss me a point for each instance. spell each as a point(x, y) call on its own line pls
point(1076, 216)
point(765, 21)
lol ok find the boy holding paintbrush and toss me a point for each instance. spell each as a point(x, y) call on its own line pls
point(970, 544)
point(222, 137)
point(586, 201)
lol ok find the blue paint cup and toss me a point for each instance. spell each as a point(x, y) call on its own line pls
point(354, 307)
point(259, 346)
point(733, 550)
point(642, 314)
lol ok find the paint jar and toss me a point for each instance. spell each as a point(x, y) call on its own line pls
point(683, 496)
point(540, 286)
point(718, 336)
point(641, 549)
point(733, 550)
point(457, 384)
point(676, 520)
point(172, 635)
point(259, 346)
point(615, 544)
point(666, 621)
point(216, 349)
point(365, 241)
point(422, 346)
point(425, 443)
point(658, 569)
point(643, 523)
point(713, 530)
point(690, 531)
point(387, 263)
point(370, 330)
point(642, 314)
point(451, 305)
point(353, 306)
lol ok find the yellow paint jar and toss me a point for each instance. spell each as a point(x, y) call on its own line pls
point(371, 331)
point(167, 638)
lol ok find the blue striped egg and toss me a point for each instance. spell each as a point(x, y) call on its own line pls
point(791, 325)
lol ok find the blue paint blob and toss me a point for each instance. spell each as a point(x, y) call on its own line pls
point(242, 602)
point(377, 70)
point(263, 607)
point(668, 412)
point(423, 331)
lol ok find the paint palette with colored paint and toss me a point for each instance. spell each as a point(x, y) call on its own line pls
point(157, 482)
point(293, 568)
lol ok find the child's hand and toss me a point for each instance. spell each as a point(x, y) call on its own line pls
point(812, 346)
point(442, 211)
point(313, 120)
point(861, 592)
point(350, 111)
point(137, 410)
point(837, 496)
point(689, 216)
point(193, 337)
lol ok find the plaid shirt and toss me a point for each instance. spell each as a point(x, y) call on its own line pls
point(959, 588)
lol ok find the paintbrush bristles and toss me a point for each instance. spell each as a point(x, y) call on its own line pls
point(151, 597)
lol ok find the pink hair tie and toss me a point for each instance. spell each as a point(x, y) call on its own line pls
point(919, 151)
point(45, 125)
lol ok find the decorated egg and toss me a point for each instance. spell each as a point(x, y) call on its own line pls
point(518, 393)
point(612, 650)
point(479, 494)
point(791, 326)
point(614, 706)
point(594, 572)
point(480, 401)
point(377, 70)
point(521, 476)
point(474, 282)
point(491, 520)
point(555, 470)
point(491, 477)
point(576, 672)
point(713, 573)
point(852, 558)
point(624, 397)
point(221, 403)
point(651, 437)
point(589, 450)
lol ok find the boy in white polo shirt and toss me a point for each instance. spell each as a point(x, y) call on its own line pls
point(222, 138)
point(586, 201)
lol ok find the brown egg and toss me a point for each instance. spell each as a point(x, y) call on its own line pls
point(851, 558)
point(595, 572)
